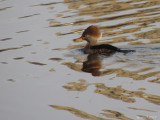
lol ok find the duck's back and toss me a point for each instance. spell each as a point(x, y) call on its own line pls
point(105, 48)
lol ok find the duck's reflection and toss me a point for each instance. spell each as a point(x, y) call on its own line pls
point(93, 64)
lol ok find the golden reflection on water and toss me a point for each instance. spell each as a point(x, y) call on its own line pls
point(82, 114)
point(113, 92)
point(74, 86)
point(142, 18)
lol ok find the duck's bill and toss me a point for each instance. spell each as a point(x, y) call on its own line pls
point(78, 39)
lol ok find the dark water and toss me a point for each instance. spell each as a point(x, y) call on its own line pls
point(45, 75)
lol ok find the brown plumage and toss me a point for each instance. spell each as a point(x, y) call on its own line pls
point(93, 31)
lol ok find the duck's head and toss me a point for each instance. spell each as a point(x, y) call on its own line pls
point(92, 34)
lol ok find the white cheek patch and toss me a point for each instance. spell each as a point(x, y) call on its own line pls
point(99, 37)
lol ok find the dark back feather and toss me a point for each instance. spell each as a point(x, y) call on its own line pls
point(105, 47)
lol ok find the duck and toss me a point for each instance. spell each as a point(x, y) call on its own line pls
point(92, 35)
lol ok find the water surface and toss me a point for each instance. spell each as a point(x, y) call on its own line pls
point(45, 74)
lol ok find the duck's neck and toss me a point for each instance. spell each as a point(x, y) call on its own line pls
point(91, 43)
point(87, 48)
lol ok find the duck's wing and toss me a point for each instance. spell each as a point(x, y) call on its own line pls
point(105, 47)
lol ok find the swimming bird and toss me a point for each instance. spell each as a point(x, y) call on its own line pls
point(92, 34)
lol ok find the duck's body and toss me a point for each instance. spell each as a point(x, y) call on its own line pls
point(92, 34)
point(103, 48)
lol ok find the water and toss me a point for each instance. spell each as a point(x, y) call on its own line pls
point(45, 75)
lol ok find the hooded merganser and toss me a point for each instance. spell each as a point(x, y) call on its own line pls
point(92, 34)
